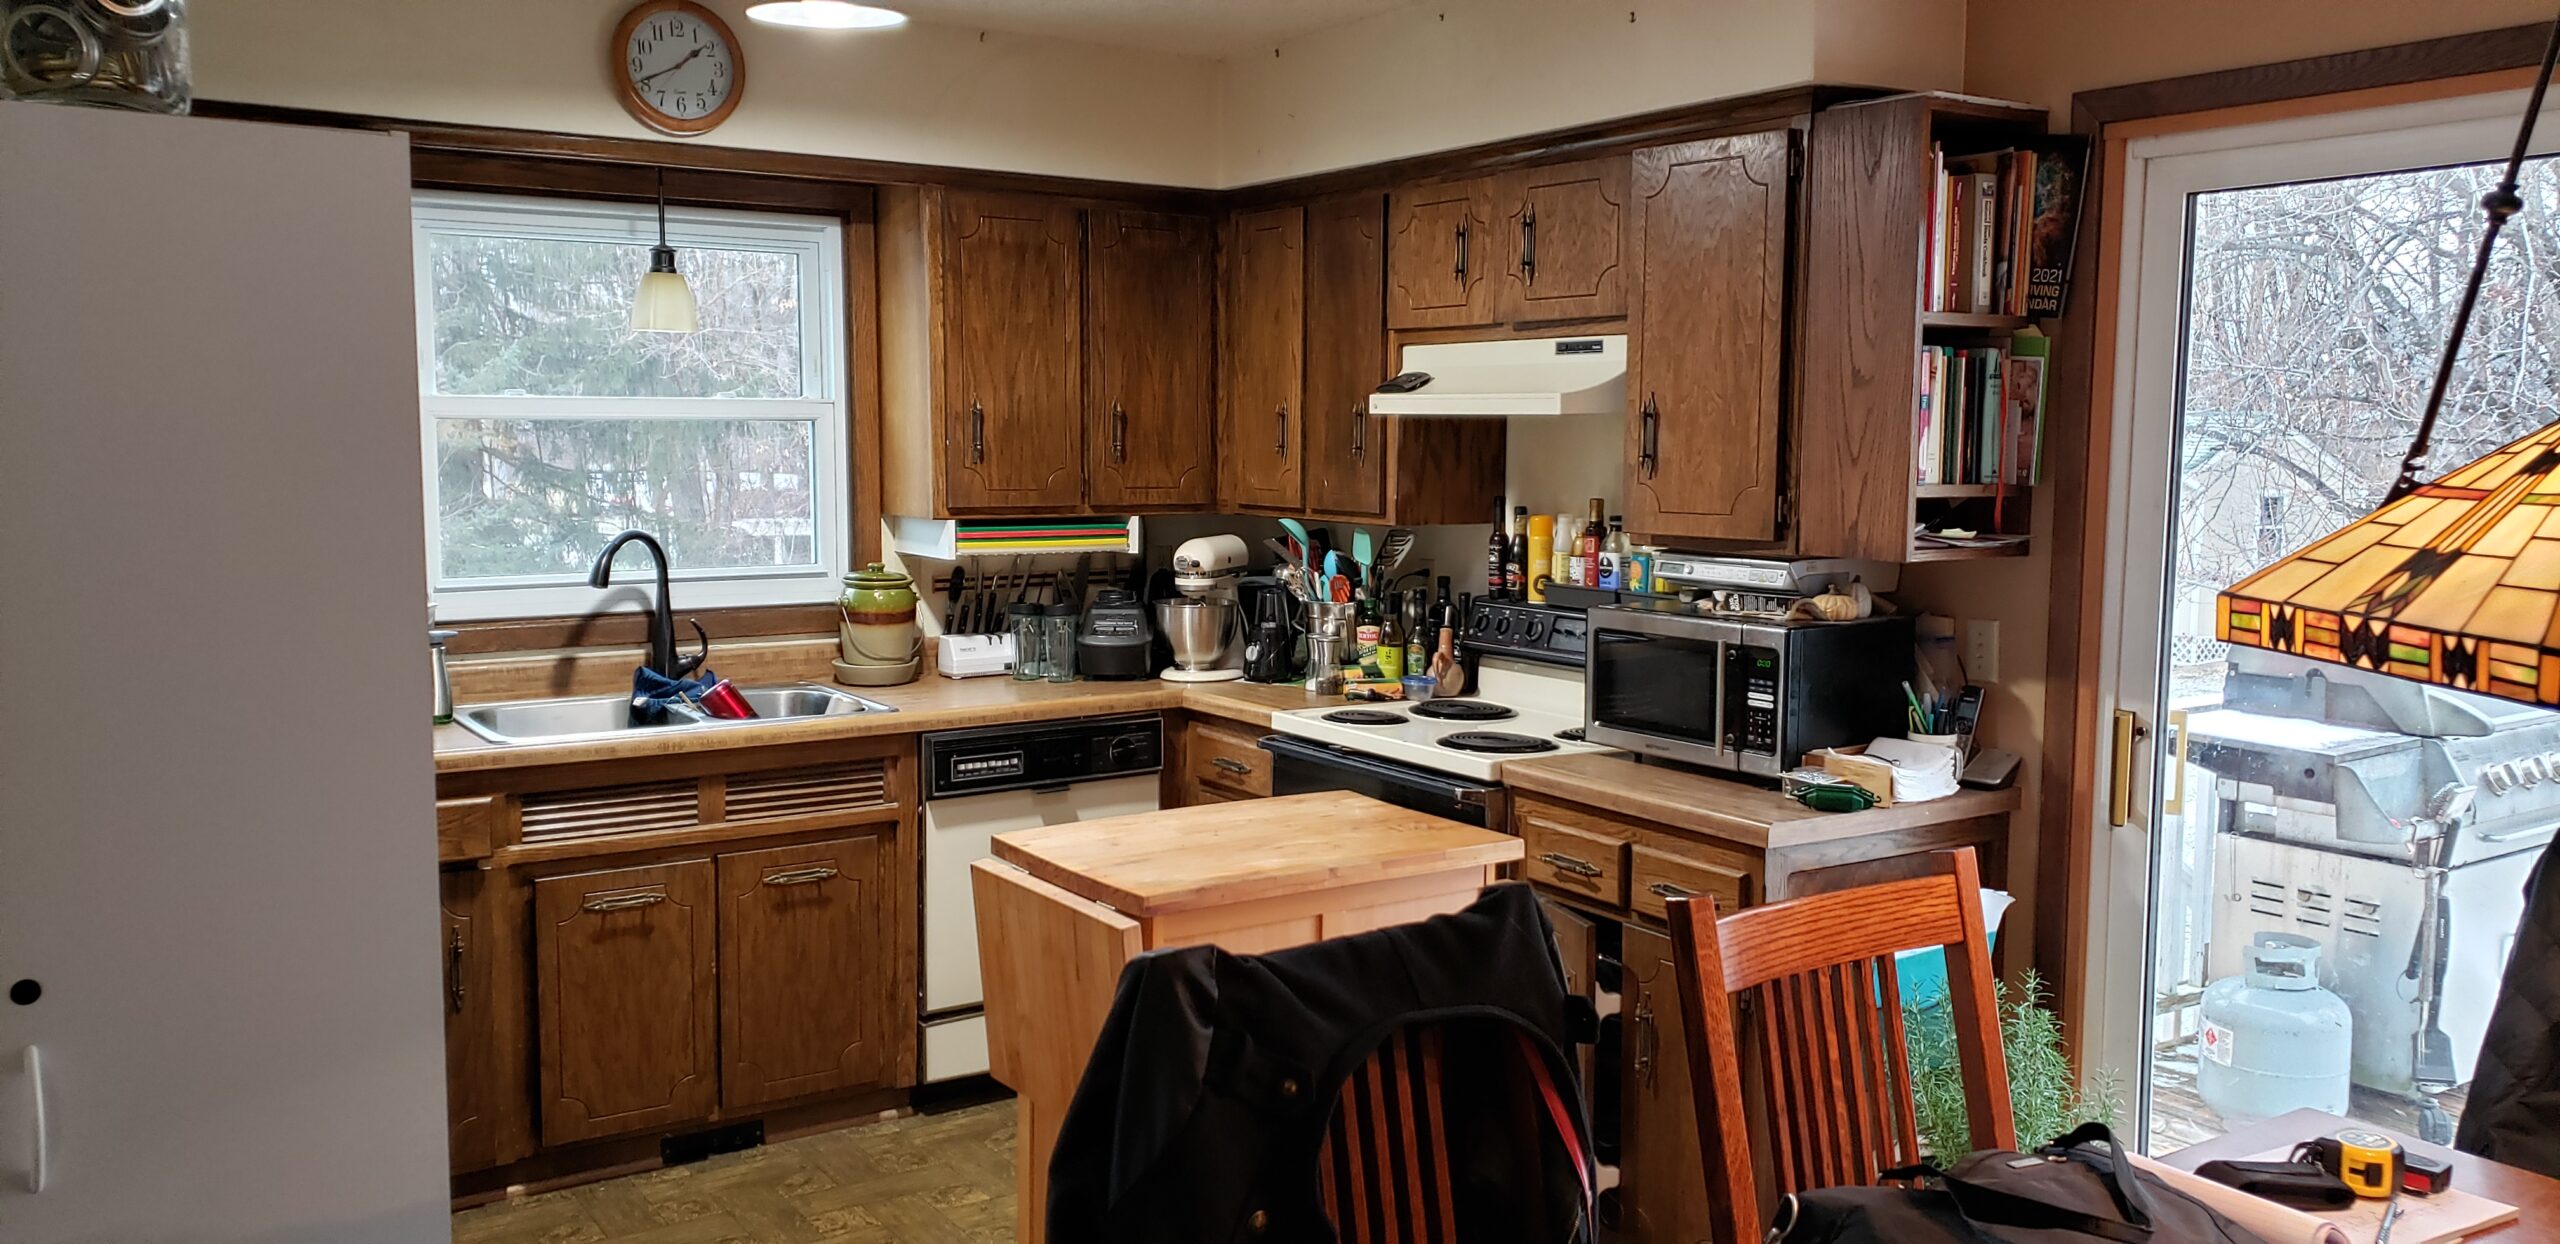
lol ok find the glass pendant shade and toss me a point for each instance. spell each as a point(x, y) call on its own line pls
point(665, 303)
point(2456, 583)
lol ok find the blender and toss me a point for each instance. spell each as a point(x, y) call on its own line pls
point(1201, 624)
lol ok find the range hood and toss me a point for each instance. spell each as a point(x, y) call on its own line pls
point(1541, 376)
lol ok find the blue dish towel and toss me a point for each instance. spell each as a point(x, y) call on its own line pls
point(652, 692)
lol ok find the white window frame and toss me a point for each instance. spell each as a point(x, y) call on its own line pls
point(818, 242)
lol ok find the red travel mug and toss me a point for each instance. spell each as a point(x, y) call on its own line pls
point(723, 701)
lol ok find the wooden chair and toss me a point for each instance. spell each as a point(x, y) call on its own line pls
point(1817, 973)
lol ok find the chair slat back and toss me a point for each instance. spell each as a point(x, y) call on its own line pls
point(1815, 976)
point(1384, 1164)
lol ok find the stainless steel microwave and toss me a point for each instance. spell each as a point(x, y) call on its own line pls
point(1743, 696)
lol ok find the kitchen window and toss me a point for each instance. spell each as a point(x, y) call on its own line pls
point(550, 425)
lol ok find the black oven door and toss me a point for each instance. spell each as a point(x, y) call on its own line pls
point(1304, 766)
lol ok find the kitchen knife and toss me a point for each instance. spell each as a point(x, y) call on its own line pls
point(951, 601)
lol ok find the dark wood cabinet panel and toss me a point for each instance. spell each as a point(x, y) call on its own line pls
point(1707, 359)
point(805, 983)
point(1149, 404)
point(1563, 241)
point(470, 1022)
point(1260, 406)
point(1346, 459)
point(1439, 255)
point(1013, 280)
point(625, 999)
point(1662, 1194)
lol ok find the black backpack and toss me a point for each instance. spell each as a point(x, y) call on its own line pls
point(2078, 1188)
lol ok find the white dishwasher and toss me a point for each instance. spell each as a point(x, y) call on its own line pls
point(980, 783)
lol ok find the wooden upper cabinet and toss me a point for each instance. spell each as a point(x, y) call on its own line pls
point(470, 1023)
point(1441, 255)
point(1012, 314)
point(624, 977)
point(1346, 356)
point(1260, 404)
point(1149, 403)
point(1706, 360)
point(1561, 234)
point(806, 987)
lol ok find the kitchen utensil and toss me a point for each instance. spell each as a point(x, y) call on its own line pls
point(1298, 531)
point(1280, 549)
point(1199, 631)
point(1030, 641)
point(1365, 555)
point(1115, 639)
point(1058, 623)
point(1076, 597)
point(1398, 546)
point(951, 598)
point(1339, 589)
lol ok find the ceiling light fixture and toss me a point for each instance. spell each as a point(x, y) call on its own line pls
point(2454, 582)
point(825, 15)
point(665, 303)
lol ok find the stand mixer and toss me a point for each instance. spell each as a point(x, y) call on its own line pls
point(1202, 626)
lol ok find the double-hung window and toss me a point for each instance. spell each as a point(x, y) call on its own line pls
point(551, 425)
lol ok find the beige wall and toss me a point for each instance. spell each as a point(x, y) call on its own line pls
point(928, 94)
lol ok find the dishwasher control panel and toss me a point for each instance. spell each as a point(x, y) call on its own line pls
point(975, 762)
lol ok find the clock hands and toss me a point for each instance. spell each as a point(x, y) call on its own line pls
point(681, 62)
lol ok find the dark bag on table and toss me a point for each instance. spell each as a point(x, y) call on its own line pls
point(2078, 1188)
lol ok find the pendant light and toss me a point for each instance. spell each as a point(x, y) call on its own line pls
point(2454, 582)
point(665, 304)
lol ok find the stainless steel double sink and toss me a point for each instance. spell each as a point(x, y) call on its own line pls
point(578, 719)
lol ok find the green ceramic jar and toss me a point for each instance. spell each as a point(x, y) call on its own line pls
point(879, 622)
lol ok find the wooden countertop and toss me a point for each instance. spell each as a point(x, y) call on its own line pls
point(1179, 859)
point(1732, 810)
point(929, 703)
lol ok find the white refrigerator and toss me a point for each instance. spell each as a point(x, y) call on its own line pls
point(219, 1013)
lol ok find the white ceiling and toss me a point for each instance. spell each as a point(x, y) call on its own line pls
point(1191, 27)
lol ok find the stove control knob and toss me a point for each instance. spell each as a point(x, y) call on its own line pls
point(2498, 777)
point(1536, 627)
point(2530, 771)
point(1502, 624)
point(1481, 623)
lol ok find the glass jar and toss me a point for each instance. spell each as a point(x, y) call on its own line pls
point(1030, 642)
point(1058, 634)
point(115, 53)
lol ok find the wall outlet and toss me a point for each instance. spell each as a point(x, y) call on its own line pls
point(1982, 652)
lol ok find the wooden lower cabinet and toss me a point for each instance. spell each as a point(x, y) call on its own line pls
point(626, 1007)
point(1662, 1186)
point(1221, 764)
point(803, 981)
point(470, 1021)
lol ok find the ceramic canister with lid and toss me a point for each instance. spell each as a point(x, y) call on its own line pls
point(879, 644)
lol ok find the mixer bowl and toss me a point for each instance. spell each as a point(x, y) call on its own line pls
point(1198, 630)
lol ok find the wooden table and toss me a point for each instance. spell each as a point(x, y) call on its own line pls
point(2536, 1197)
point(1062, 908)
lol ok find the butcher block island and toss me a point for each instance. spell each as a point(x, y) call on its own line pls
point(1062, 908)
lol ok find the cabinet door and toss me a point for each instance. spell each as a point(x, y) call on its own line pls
point(470, 1026)
point(1258, 439)
point(1346, 355)
point(1663, 1195)
point(1013, 293)
point(1438, 255)
point(806, 993)
point(623, 963)
point(1706, 361)
point(1149, 410)
point(1578, 946)
point(1563, 240)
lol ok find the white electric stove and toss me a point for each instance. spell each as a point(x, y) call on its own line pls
point(1520, 712)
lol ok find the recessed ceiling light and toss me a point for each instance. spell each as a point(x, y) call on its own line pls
point(825, 15)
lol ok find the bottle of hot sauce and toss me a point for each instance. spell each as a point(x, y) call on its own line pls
point(1586, 554)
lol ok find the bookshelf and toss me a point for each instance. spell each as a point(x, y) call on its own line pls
point(1871, 187)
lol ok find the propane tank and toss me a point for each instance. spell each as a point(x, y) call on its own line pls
point(2273, 1039)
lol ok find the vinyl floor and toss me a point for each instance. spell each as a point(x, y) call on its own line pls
point(944, 1178)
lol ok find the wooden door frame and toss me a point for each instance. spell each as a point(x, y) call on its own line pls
point(2084, 383)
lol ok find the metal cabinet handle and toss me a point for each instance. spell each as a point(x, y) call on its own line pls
point(1664, 889)
point(1648, 437)
point(1280, 421)
point(802, 876)
point(623, 902)
point(1359, 430)
point(977, 433)
point(1564, 863)
point(1119, 433)
point(1529, 246)
point(1461, 269)
point(1648, 1038)
point(1231, 764)
point(35, 1097)
point(453, 952)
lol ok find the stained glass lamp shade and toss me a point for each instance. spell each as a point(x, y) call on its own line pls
point(2456, 583)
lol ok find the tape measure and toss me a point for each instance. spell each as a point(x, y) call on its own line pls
point(2368, 1163)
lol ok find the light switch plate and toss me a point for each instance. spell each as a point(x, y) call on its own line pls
point(1982, 651)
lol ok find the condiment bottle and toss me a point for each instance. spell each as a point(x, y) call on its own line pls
point(1497, 550)
point(1586, 552)
point(1515, 556)
point(1560, 559)
point(1540, 556)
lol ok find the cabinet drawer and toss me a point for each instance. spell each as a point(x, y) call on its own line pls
point(465, 828)
point(1226, 759)
point(1655, 875)
point(1580, 859)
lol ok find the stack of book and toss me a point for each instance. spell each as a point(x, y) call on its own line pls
point(2000, 229)
point(1980, 414)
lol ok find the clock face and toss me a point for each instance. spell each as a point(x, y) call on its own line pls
point(679, 66)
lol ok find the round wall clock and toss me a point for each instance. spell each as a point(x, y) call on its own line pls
point(677, 66)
